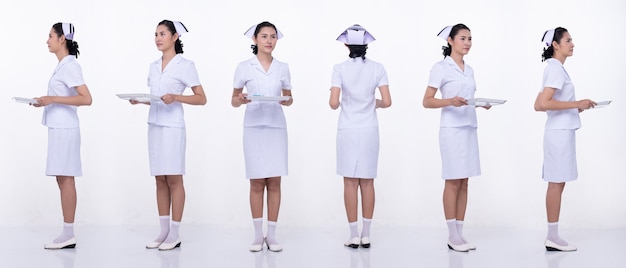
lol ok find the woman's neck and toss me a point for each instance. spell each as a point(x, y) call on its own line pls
point(264, 58)
point(61, 54)
point(458, 59)
point(560, 58)
point(168, 55)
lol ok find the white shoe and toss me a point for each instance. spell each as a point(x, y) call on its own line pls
point(170, 246)
point(153, 245)
point(70, 243)
point(353, 242)
point(471, 246)
point(256, 248)
point(551, 246)
point(459, 248)
point(365, 242)
point(273, 247)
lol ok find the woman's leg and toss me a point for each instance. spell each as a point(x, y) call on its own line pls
point(273, 206)
point(351, 202)
point(68, 197)
point(461, 199)
point(163, 206)
point(273, 198)
point(367, 204)
point(164, 198)
point(177, 197)
point(553, 200)
point(450, 209)
point(461, 205)
point(67, 189)
point(257, 191)
point(553, 210)
point(177, 193)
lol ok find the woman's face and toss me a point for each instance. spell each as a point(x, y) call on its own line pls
point(55, 42)
point(565, 47)
point(164, 39)
point(462, 42)
point(266, 40)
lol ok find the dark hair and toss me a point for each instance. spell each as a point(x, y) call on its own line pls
point(549, 51)
point(357, 51)
point(447, 50)
point(255, 48)
point(72, 46)
point(178, 46)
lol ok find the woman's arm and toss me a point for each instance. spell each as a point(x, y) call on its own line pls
point(431, 102)
point(545, 102)
point(334, 102)
point(287, 92)
point(83, 98)
point(198, 97)
point(385, 96)
point(238, 97)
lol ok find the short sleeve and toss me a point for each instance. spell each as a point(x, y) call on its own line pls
point(239, 81)
point(190, 78)
point(435, 79)
point(553, 76)
point(335, 80)
point(382, 78)
point(286, 79)
point(73, 76)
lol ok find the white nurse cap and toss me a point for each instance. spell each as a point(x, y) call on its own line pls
point(68, 30)
point(445, 33)
point(548, 37)
point(250, 32)
point(356, 35)
point(180, 28)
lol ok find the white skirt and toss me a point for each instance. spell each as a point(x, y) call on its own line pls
point(459, 152)
point(166, 148)
point(357, 152)
point(64, 152)
point(559, 155)
point(265, 152)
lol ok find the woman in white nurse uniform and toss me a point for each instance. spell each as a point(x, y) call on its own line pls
point(357, 131)
point(169, 76)
point(458, 141)
point(66, 91)
point(558, 100)
point(265, 128)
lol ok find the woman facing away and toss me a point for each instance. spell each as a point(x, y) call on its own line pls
point(458, 141)
point(265, 128)
point(168, 78)
point(558, 100)
point(355, 81)
point(66, 91)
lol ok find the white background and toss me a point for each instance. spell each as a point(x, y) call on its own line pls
point(117, 45)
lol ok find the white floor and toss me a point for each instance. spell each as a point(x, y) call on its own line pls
point(211, 246)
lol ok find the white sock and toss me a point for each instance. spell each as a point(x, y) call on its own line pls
point(354, 229)
point(553, 234)
point(67, 234)
point(459, 229)
point(258, 231)
point(164, 221)
point(366, 227)
point(172, 236)
point(271, 233)
point(453, 234)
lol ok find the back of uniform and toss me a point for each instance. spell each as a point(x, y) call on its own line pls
point(357, 134)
